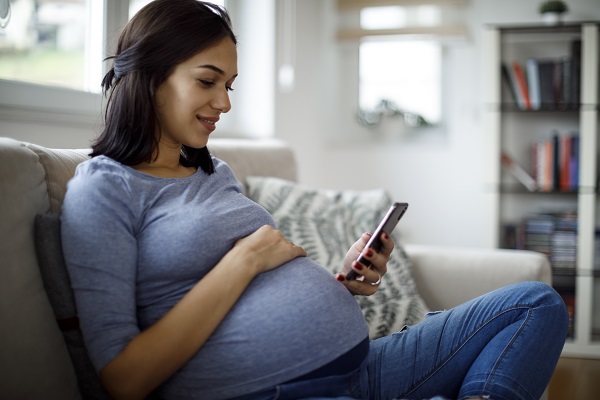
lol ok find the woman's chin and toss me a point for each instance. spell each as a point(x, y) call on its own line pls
point(197, 143)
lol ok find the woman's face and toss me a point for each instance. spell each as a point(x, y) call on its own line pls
point(193, 97)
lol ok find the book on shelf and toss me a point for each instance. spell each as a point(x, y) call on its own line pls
point(551, 233)
point(546, 83)
point(538, 233)
point(518, 172)
point(521, 78)
point(564, 242)
point(574, 163)
point(564, 84)
point(543, 169)
point(511, 83)
point(565, 164)
point(575, 75)
point(515, 88)
point(556, 163)
point(533, 83)
point(546, 77)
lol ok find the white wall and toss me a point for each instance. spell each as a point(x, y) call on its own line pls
point(441, 179)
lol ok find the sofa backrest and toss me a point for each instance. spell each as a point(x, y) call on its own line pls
point(34, 362)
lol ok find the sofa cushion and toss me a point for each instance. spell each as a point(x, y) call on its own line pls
point(326, 223)
point(58, 287)
point(59, 167)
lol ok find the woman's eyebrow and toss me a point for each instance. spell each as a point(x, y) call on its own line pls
point(214, 68)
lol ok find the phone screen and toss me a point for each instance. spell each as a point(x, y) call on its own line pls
point(387, 225)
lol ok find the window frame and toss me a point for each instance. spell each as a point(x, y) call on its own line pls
point(28, 102)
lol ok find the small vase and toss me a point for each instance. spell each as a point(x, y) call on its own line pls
point(551, 18)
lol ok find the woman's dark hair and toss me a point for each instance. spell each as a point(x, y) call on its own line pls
point(161, 35)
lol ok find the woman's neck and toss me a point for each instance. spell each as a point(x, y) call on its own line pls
point(165, 164)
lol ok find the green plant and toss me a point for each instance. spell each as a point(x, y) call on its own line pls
point(557, 6)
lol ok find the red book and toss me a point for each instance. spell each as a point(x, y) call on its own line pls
point(565, 162)
point(522, 82)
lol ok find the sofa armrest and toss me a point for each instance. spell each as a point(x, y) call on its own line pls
point(449, 276)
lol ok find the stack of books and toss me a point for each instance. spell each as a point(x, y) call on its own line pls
point(553, 234)
point(564, 242)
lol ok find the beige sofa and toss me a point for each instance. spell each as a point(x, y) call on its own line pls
point(34, 362)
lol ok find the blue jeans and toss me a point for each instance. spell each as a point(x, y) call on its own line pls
point(503, 345)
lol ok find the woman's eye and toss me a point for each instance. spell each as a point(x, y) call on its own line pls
point(206, 83)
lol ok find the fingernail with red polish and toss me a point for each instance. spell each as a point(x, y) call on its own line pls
point(358, 266)
point(340, 277)
point(369, 253)
point(386, 236)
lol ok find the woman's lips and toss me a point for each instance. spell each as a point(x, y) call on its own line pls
point(208, 123)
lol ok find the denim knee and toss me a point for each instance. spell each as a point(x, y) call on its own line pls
point(544, 295)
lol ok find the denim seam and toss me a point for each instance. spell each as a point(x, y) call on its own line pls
point(506, 350)
point(451, 355)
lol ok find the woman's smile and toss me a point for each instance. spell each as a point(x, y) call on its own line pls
point(208, 123)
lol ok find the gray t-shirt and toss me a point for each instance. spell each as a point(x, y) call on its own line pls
point(136, 244)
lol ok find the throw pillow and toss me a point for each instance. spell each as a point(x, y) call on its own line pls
point(58, 287)
point(326, 223)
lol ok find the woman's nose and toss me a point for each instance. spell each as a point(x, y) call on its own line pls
point(222, 101)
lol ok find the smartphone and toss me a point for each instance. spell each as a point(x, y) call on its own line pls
point(387, 225)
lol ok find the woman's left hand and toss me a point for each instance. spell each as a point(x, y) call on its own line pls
point(369, 278)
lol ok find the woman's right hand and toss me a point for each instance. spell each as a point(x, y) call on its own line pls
point(267, 248)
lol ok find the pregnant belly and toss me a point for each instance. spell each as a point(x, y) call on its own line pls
point(289, 321)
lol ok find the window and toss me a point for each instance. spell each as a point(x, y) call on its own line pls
point(53, 43)
point(400, 56)
point(51, 57)
point(404, 76)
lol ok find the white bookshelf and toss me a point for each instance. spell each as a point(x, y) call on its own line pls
point(513, 130)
